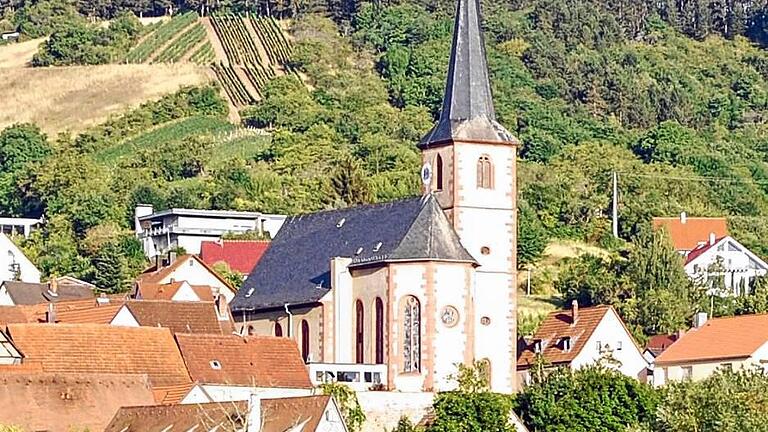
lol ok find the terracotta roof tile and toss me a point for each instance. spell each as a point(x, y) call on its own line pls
point(555, 327)
point(240, 255)
point(66, 402)
point(719, 338)
point(171, 395)
point(153, 275)
point(94, 348)
point(257, 361)
point(179, 317)
point(282, 414)
point(98, 314)
point(687, 236)
point(659, 343)
point(12, 315)
point(152, 291)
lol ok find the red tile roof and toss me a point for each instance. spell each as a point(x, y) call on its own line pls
point(255, 361)
point(95, 348)
point(699, 250)
point(67, 402)
point(687, 236)
point(13, 314)
point(153, 291)
point(171, 395)
point(240, 255)
point(153, 275)
point(555, 327)
point(179, 317)
point(719, 338)
point(659, 343)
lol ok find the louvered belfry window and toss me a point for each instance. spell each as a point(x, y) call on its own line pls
point(484, 173)
point(412, 336)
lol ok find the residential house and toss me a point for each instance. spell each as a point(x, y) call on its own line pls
point(14, 293)
point(688, 233)
point(64, 402)
point(655, 346)
point(18, 226)
point(164, 281)
point(160, 232)
point(299, 414)
point(725, 266)
point(104, 349)
point(179, 317)
point(231, 367)
point(399, 293)
point(239, 255)
point(581, 337)
point(729, 342)
point(14, 265)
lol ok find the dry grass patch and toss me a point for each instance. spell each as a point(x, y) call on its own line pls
point(73, 98)
point(18, 54)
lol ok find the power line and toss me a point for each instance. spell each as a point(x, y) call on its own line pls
point(698, 178)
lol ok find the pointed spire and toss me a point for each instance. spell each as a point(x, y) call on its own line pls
point(468, 112)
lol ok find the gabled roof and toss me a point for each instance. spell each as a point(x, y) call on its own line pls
point(66, 402)
point(727, 242)
point(26, 293)
point(253, 361)
point(154, 291)
point(719, 339)
point(296, 267)
point(239, 255)
point(555, 327)
point(468, 112)
point(154, 275)
point(95, 348)
point(179, 317)
point(688, 232)
point(171, 395)
point(659, 343)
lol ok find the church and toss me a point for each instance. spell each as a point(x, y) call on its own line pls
point(416, 286)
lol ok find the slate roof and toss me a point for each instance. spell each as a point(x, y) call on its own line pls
point(296, 267)
point(718, 339)
point(239, 255)
point(179, 317)
point(688, 233)
point(67, 402)
point(96, 348)
point(253, 361)
point(468, 111)
point(28, 293)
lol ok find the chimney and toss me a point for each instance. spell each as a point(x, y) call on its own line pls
point(50, 315)
point(172, 255)
point(574, 312)
point(712, 238)
point(683, 218)
point(700, 319)
point(53, 287)
point(254, 413)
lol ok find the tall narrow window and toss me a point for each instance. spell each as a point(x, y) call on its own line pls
point(484, 173)
point(412, 336)
point(359, 332)
point(379, 331)
point(278, 330)
point(439, 172)
point(305, 340)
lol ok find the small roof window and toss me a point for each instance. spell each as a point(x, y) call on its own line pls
point(215, 364)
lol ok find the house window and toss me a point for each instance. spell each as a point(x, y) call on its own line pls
point(359, 332)
point(412, 335)
point(484, 173)
point(599, 346)
point(379, 331)
point(619, 345)
point(305, 340)
point(278, 330)
point(439, 172)
point(687, 372)
point(566, 344)
point(726, 366)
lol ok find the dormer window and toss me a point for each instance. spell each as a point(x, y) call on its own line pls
point(538, 346)
point(215, 365)
point(566, 344)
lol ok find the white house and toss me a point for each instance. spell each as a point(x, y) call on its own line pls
point(581, 337)
point(725, 265)
point(14, 265)
point(159, 232)
point(183, 278)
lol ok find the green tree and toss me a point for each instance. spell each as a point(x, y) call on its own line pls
point(346, 398)
point(532, 237)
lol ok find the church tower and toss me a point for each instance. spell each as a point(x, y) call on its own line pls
point(473, 160)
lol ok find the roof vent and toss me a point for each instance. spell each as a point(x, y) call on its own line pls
point(359, 251)
point(377, 247)
point(340, 223)
point(250, 292)
point(215, 364)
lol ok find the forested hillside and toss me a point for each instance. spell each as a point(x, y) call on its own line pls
point(670, 95)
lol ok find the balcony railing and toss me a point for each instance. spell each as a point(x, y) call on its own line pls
point(359, 377)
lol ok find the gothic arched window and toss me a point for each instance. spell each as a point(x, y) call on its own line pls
point(484, 173)
point(359, 332)
point(412, 335)
point(379, 331)
point(305, 340)
point(439, 172)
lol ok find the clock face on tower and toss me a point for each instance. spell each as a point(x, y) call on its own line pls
point(426, 174)
point(449, 316)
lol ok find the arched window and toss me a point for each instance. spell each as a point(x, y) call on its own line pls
point(278, 330)
point(379, 331)
point(305, 340)
point(412, 335)
point(251, 330)
point(484, 173)
point(439, 172)
point(359, 332)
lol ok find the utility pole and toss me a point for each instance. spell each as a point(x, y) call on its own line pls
point(615, 204)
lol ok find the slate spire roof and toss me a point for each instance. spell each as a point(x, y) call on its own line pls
point(296, 267)
point(468, 112)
